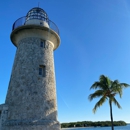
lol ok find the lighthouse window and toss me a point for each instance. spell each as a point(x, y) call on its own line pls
point(42, 70)
point(42, 44)
point(41, 23)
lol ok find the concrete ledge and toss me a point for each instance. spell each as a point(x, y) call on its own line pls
point(35, 31)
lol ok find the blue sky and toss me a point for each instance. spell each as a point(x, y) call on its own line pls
point(95, 40)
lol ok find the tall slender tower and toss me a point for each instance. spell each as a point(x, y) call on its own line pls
point(31, 96)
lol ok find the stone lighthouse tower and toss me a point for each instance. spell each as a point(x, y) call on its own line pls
point(31, 98)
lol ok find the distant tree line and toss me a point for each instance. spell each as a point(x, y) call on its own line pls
point(92, 124)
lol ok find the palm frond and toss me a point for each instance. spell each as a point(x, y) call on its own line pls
point(102, 77)
point(105, 81)
point(115, 102)
point(108, 82)
point(124, 85)
point(102, 84)
point(99, 103)
point(95, 85)
point(114, 85)
point(96, 94)
point(120, 91)
point(117, 87)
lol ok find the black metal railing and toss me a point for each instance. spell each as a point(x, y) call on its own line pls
point(21, 22)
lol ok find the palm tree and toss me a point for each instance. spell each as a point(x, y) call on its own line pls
point(107, 89)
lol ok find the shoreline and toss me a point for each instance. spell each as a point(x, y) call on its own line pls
point(87, 127)
point(77, 127)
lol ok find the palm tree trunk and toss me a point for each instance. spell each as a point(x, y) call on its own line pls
point(112, 126)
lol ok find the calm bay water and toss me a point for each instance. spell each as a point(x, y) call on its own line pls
point(101, 128)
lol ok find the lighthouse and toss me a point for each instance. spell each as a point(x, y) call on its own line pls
point(31, 97)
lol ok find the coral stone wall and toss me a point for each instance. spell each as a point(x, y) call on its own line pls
point(31, 98)
point(3, 114)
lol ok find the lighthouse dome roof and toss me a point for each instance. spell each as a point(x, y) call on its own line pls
point(37, 13)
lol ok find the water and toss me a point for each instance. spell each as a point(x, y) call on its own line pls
point(101, 128)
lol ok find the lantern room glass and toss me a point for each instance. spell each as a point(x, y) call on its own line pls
point(37, 13)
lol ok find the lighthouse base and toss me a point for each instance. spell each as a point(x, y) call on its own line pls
point(34, 125)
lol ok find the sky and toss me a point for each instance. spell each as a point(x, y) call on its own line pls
point(95, 40)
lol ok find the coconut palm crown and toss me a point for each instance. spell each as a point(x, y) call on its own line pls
point(106, 89)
